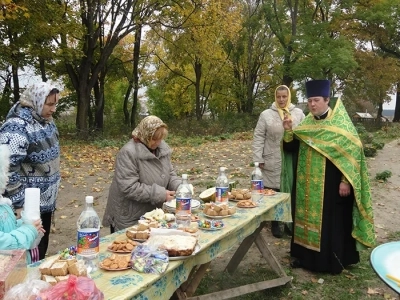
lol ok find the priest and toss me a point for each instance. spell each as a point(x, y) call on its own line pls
point(328, 180)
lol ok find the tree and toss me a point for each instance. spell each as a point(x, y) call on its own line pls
point(252, 63)
point(194, 61)
point(372, 80)
point(379, 22)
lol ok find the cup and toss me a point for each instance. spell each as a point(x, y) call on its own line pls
point(32, 204)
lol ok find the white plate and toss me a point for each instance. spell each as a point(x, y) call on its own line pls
point(172, 204)
point(385, 260)
point(217, 217)
point(196, 250)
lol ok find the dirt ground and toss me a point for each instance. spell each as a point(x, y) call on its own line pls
point(88, 171)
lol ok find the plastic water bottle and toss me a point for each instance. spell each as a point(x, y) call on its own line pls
point(257, 184)
point(222, 188)
point(183, 212)
point(88, 236)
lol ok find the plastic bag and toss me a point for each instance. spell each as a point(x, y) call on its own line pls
point(74, 288)
point(29, 289)
point(147, 259)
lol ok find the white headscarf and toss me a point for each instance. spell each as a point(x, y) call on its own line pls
point(35, 96)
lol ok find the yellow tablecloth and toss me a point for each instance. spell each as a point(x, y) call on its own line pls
point(130, 284)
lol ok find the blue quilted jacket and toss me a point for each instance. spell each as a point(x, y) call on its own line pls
point(14, 234)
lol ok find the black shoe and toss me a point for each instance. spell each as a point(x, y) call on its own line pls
point(295, 264)
point(276, 229)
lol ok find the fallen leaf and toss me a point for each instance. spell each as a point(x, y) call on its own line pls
point(372, 291)
point(304, 292)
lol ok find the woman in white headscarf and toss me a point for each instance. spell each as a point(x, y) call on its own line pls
point(144, 177)
point(32, 139)
point(267, 139)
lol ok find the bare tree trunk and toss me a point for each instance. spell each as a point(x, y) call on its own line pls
point(197, 71)
point(396, 117)
point(82, 111)
point(5, 97)
point(379, 113)
point(15, 82)
point(99, 98)
point(136, 57)
point(42, 69)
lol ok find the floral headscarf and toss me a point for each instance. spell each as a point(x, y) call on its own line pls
point(283, 110)
point(145, 130)
point(35, 96)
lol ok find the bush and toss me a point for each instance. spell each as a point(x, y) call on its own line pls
point(370, 151)
point(378, 145)
point(383, 176)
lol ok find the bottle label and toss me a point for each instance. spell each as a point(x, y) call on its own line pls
point(88, 241)
point(257, 186)
point(183, 205)
point(221, 194)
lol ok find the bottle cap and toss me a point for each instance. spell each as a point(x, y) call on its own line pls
point(184, 176)
point(222, 169)
point(256, 164)
point(89, 199)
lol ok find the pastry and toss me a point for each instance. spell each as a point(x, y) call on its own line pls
point(176, 245)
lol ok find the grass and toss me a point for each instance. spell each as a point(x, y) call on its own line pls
point(354, 283)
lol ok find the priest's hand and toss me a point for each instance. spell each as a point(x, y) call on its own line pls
point(287, 123)
point(344, 189)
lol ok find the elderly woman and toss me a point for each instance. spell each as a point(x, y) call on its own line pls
point(267, 140)
point(32, 139)
point(144, 177)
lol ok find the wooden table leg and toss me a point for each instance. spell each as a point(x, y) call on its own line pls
point(189, 287)
point(244, 289)
point(266, 252)
point(242, 250)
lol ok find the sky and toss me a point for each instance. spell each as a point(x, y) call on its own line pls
point(391, 104)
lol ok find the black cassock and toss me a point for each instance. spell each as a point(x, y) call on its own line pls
point(338, 247)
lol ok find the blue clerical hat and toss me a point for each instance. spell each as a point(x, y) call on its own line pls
point(318, 88)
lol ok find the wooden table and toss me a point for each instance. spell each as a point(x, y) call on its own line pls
point(385, 260)
point(182, 277)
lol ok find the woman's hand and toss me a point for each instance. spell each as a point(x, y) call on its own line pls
point(287, 123)
point(169, 195)
point(38, 225)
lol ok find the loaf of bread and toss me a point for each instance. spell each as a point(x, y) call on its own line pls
point(59, 268)
point(176, 245)
point(45, 267)
point(78, 268)
point(50, 279)
point(61, 278)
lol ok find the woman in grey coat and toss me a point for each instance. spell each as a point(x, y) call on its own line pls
point(267, 139)
point(144, 177)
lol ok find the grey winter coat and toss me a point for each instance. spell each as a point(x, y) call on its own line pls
point(266, 142)
point(139, 184)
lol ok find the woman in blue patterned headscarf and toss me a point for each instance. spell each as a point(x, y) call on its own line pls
point(32, 139)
